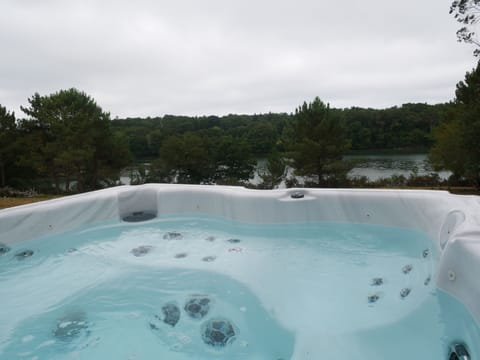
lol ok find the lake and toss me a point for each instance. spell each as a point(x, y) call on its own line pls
point(376, 166)
point(384, 165)
point(372, 165)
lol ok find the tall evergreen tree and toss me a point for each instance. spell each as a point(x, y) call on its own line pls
point(274, 172)
point(456, 147)
point(184, 159)
point(319, 143)
point(72, 141)
point(233, 158)
point(8, 143)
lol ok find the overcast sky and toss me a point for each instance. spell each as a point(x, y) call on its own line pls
point(198, 57)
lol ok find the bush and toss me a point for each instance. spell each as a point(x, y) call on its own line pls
point(9, 192)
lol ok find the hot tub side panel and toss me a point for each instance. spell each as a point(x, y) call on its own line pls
point(56, 216)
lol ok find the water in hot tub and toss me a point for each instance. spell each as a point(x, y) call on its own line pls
point(195, 287)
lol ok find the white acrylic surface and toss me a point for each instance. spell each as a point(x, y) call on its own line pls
point(451, 221)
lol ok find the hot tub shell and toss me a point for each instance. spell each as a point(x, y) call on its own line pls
point(451, 221)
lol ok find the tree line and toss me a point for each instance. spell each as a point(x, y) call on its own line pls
point(406, 127)
point(67, 143)
point(312, 140)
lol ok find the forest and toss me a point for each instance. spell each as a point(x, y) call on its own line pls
point(68, 144)
point(406, 127)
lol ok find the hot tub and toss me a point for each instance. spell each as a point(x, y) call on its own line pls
point(212, 272)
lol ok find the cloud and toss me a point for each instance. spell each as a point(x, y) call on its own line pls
point(148, 58)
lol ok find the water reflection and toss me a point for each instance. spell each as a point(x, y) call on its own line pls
point(377, 166)
point(372, 166)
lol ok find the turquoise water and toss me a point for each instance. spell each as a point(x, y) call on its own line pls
point(185, 287)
